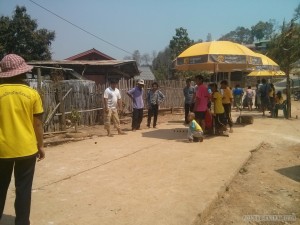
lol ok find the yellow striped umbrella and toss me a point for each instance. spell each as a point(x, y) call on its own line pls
point(217, 56)
point(267, 63)
point(266, 73)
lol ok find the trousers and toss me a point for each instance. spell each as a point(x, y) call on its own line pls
point(227, 108)
point(187, 109)
point(23, 172)
point(137, 118)
point(152, 111)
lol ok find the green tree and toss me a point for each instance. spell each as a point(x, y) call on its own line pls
point(162, 64)
point(240, 35)
point(20, 35)
point(180, 42)
point(285, 49)
point(263, 30)
point(297, 12)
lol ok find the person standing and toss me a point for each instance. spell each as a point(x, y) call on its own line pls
point(136, 94)
point(188, 92)
point(272, 98)
point(154, 98)
point(258, 95)
point(249, 97)
point(264, 90)
point(237, 97)
point(21, 134)
point(218, 111)
point(227, 102)
point(201, 101)
point(112, 106)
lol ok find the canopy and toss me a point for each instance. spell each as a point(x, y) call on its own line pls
point(266, 73)
point(267, 63)
point(217, 56)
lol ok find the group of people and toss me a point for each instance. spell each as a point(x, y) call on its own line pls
point(265, 96)
point(203, 102)
point(21, 119)
point(113, 105)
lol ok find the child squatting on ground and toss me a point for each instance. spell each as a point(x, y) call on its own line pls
point(195, 132)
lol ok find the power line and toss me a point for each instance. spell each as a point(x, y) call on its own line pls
point(82, 29)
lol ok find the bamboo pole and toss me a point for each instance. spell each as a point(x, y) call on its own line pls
point(39, 80)
point(54, 110)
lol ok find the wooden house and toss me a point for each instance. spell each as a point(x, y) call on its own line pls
point(95, 65)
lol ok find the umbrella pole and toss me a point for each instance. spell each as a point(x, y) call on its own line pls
point(215, 75)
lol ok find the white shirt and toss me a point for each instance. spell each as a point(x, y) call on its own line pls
point(112, 97)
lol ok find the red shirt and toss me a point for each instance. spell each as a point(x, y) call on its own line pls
point(202, 97)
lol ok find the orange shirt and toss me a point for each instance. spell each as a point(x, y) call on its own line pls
point(227, 96)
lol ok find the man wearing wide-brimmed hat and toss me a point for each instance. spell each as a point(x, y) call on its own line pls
point(21, 134)
point(137, 94)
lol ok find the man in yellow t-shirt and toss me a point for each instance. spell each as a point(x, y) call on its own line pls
point(21, 134)
point(227, 102)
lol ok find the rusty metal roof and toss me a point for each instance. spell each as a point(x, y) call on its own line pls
point(127, 68)
point(84, 62)
point(88, 52)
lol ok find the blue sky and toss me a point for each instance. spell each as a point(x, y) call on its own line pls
point(144, 25)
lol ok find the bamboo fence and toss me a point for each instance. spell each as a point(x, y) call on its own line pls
point(62, 98)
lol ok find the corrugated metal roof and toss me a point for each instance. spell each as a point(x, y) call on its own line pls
point(93, 50)
point(83, 62)
point(126, 68)
point(145, 73)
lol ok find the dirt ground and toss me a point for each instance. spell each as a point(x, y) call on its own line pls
point(267, 186)
point(266, 190)
point(85, 132)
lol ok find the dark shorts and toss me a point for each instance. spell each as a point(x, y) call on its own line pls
point(200, 115)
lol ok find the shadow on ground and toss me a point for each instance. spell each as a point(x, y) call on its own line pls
point(291, 172)
point(167, 134)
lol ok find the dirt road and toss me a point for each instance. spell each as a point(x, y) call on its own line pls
point(155, 177)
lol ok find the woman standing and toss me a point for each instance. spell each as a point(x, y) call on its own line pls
point(249, 98)
point(272, 98)
point(154, 98)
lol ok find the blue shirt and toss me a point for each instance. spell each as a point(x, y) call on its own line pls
point(137, 94)
point(238, 91)
point(188, 93)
